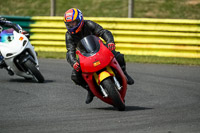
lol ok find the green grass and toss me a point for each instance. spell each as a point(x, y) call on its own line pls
point(176, 9)
point(162, 60)
point(134, 58)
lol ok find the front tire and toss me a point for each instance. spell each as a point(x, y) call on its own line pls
point(34, 71)
point(113, 93)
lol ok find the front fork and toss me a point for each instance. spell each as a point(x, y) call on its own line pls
point(103, 75)
point(22, 58)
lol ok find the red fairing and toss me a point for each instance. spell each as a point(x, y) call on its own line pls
point(87, 62)
point(88, 78)
point(89, 67)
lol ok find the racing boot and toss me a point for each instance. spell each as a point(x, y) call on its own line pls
point(90, 95)
point(78, 80)
point(3, 65)
point(130, 80)
point(122, 63)
point(10, 72)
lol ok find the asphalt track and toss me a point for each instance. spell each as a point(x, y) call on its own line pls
point(164, 99)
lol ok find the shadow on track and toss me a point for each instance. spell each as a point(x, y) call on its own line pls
point(136, 108)
point(21, 80)
point(128, 108)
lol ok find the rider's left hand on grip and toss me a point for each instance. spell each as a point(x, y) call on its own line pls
point(111, 46)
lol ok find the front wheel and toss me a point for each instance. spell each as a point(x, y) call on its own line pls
point(113, 93)
point(34, 71)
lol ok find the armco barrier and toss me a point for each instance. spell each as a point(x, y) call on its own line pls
point(133, 36)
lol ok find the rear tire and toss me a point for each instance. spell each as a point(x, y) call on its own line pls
point(113, 93)
point(34, 71)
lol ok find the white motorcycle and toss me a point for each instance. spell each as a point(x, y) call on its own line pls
point(19, 55)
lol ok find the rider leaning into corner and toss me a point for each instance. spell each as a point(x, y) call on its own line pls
point(16, 27)
point(79, 28)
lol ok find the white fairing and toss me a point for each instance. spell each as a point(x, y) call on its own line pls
point(11, 49)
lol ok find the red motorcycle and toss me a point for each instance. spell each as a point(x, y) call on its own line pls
point(102, 72)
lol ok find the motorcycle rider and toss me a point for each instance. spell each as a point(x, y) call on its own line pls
point(16, 27)
point(79, 28)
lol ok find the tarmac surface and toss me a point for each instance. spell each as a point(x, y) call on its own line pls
point(164, 99)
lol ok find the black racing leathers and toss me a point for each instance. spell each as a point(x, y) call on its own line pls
point(6, 23)
point(89, 28)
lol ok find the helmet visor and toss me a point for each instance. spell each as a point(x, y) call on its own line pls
point(72, 24)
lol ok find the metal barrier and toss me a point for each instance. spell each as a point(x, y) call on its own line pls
point(133, 36)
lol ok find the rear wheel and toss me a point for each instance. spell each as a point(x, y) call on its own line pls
point(113, 93)
point(34, 71)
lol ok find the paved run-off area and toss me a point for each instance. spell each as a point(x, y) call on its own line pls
point(164, 99)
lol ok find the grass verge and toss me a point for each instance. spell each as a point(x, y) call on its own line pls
point(175, 9)
point(134, 58)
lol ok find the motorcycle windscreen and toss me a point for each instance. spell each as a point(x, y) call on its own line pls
point(89, 45)
point(6, 36)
